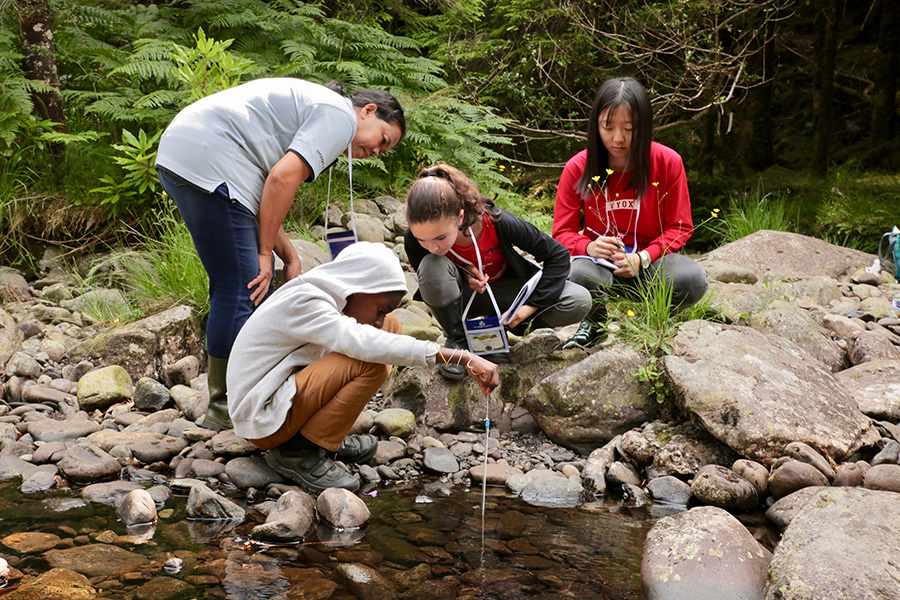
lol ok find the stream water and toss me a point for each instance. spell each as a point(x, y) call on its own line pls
point(592, 552)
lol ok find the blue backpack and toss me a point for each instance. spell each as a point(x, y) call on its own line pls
point(893, 250)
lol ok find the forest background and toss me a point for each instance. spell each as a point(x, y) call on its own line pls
point(785, 107)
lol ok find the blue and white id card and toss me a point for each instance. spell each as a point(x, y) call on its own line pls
point(338, 240)
point(485, 335)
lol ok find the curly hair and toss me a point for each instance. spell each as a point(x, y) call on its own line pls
point(441, 191)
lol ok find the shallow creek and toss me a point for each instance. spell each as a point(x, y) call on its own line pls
point(428, 531)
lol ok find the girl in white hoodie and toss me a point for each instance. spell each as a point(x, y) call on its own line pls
point(312, 355)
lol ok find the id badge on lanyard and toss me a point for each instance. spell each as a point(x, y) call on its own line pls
point(338, 240)
point(484, 335)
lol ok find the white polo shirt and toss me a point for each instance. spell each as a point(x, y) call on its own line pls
point(237, 135)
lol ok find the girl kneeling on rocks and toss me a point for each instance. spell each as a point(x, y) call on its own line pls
point(311, 356)
point(448, 217)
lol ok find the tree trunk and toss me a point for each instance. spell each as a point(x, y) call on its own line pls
point(757, 130)
point(36, 31)
point(887, 70)
point(825, 53)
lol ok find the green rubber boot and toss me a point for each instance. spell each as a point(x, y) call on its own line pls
point(217, 417)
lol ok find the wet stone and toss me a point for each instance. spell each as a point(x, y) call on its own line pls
point(96, 560)
point(496, 474)
point(794, 475)
point(150, 395)
point(30, 542)
point(342, 509)
point(620, 473)
point(38, 481)
point(137, 508)
point(289, 520)
point(163, 588)
point(110, 493)
point(203, 503)
point(251, 471)
point(440, 460)
point(432, 590)
point(205, 469)
point(56, 584)
point(669, 489)
point(554, 491)
point(365, 582)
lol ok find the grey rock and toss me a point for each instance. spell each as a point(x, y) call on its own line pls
point(727, 273)
point(388, 452)
point(642, 448)
point(183, 371)
point(21, 364)
point(496, 474)
point(207, 469)
point(785, 508)
point(251, 471)
point(137, 508)
point(43, 394)
point(51, 452)
point(103, 387)
point(792, 476)
point(146, 446)
point(669, 489)
point(795, 324)
point(848, 475)
point(722, 487)
point(888, 455)
point(289, 520)
point(12, 467)
point(150, 395)
point(363, 424)
point(825, 563)
point(146, 423)
point(191, 402)
point(203, 503)
point(805, 453)
point(868, 346)
point(776, 394)
point(38, 481)
point(687, 449)
point(592, 401)
point(227, 443)
point(440, 460)
point(598, 462)
point(875, 385)
point(74, 426)
point(146, 346)
point(397, 422)
point(97, 302)
point(883, 477)
point(342, 509)
point(755, 473)
point(620, 473)
point(556, 491)
point(87, 463)
point(11, 337)
point(702, 554)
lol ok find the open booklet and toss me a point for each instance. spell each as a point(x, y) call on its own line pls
point(599, 261)
point(523, 295)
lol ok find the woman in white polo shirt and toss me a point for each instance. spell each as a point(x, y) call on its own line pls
point(232, 163)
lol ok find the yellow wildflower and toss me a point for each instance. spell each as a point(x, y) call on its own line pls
point(596, 178)
point(655, 184)
point(630, 313)
point(502, 168)
point(609, 171)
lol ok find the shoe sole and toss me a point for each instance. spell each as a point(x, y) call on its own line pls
point(298, 477)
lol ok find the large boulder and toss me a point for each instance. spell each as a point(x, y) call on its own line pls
point(843, 543)
point(758, 392)
point(146, 347)
point(702, 554)
point(875, 386)
point(777, 254)
point(795, 324)
point(584, 406)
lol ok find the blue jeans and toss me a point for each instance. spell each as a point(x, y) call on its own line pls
point(226, 235)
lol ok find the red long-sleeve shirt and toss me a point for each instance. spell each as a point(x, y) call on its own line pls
point(660, 223)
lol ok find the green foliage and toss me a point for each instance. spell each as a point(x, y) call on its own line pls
point(208, 67)
point(137, 158)
point(754, 213)
point(652, 374)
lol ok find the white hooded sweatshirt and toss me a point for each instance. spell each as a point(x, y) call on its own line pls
point(302, 322)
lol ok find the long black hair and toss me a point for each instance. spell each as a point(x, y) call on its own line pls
point(388, 109)
point(627, 92)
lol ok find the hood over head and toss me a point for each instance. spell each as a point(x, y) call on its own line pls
point(361, 268)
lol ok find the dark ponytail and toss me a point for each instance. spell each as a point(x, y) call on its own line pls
point(388, 108)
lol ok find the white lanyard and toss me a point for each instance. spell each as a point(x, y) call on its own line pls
point(480, 270)
point(340, 240)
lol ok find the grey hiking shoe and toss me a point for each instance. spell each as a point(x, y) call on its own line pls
point(358, 448)
point(312, 468)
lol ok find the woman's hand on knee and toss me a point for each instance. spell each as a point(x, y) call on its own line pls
point(261, 281)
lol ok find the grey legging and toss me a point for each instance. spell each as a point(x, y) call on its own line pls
point(688, 279)
point(441, 282)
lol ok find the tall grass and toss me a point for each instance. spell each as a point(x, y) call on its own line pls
point(755, 213)
point(163, 270)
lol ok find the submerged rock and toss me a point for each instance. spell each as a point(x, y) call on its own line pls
point(342, 509)
point(289, 520)
point(203, 503)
